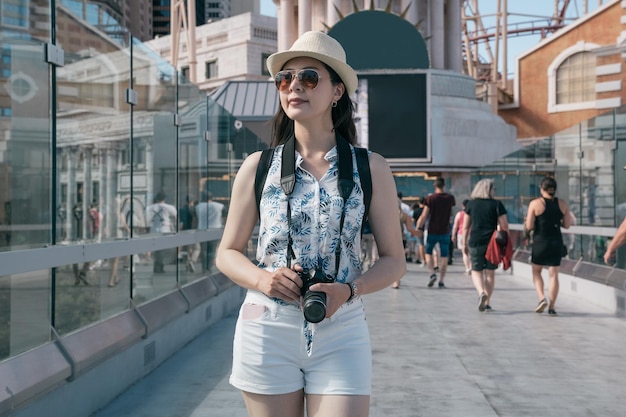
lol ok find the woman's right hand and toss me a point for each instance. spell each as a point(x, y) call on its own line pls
point(284, 283)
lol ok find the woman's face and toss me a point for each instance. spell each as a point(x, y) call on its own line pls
point(301, 102)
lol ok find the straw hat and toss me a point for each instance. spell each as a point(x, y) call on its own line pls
point(322, 47)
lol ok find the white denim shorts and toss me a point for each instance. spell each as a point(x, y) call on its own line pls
point(270, 350)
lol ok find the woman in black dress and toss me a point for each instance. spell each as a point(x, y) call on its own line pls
point(483, 215)
point(546, 215)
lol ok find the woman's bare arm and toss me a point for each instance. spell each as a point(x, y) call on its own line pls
point(383, 219)
point(283, 283)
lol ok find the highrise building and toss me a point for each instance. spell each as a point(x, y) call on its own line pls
point(115, 17)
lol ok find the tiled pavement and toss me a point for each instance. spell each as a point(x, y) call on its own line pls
point(435, 355)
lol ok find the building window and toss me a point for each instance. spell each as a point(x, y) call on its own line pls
point(185, 72)
point(210, 69)
point(572, 79)
point(264, 70)
point(575, 79)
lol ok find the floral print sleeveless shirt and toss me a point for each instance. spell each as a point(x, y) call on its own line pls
point(316, 208)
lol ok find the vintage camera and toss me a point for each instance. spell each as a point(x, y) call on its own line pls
point(313, 302)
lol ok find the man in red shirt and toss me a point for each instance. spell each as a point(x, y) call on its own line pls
point(437, 210)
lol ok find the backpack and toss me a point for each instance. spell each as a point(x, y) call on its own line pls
point(362, 164)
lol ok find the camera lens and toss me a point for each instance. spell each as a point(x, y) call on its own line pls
point(314, 306)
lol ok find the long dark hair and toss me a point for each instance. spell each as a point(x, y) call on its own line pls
point(342, 114)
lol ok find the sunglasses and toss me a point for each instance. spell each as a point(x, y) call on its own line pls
point(307, 77)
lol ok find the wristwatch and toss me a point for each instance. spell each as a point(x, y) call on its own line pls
point(354, 291)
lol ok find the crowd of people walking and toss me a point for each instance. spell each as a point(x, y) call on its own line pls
point(479, 231)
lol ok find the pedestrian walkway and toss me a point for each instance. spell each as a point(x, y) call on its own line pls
point(434, 355)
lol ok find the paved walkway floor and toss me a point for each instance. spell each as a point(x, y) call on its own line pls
point(435, 355)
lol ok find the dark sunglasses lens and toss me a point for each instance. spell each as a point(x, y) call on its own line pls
point(283, 80)
point(308, 78)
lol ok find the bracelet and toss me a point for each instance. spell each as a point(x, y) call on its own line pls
point(354, 291)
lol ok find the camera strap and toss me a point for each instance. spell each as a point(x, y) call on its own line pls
point(288, 182)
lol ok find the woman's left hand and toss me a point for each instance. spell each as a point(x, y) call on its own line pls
point(337, 293)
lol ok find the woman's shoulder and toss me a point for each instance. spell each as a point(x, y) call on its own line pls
point(378, 164)
point(251, 162)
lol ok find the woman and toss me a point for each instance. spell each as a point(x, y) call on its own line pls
point(546, 215)
point(483, 214)
point(457, 236)
point(324, 367)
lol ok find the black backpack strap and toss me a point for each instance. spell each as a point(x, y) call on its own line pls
point(346, 181)
point(261, 174)
point(363, 166)
point(288, 166)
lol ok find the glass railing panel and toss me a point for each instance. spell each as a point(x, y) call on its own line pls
point(25, 157)
point(91, 291)
point(192, 174)
point(154, 167)
point(597, 177)
point(24, 312)
point(584, 247)
point(156, 274)
point(93, 134)
point(620, 179)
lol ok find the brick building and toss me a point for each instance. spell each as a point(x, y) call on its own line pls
point(572, 76)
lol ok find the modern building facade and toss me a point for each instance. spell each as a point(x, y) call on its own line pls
point(115, 17)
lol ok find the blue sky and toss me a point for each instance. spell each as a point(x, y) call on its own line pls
point(520, 11)
point(268, 8)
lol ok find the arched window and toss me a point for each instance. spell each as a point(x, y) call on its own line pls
point(575, 79)
point(572, 79)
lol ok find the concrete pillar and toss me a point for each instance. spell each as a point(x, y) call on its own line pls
point(331, 13)
point(318, 15)
point(287, 27)
point(304, 16)
point(453, 36)
point(437, 41)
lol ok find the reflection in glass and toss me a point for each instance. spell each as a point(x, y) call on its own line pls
point(24, 312)
point(586, 160)
point(91, 291)
point(92, 179)
point(25, 216)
